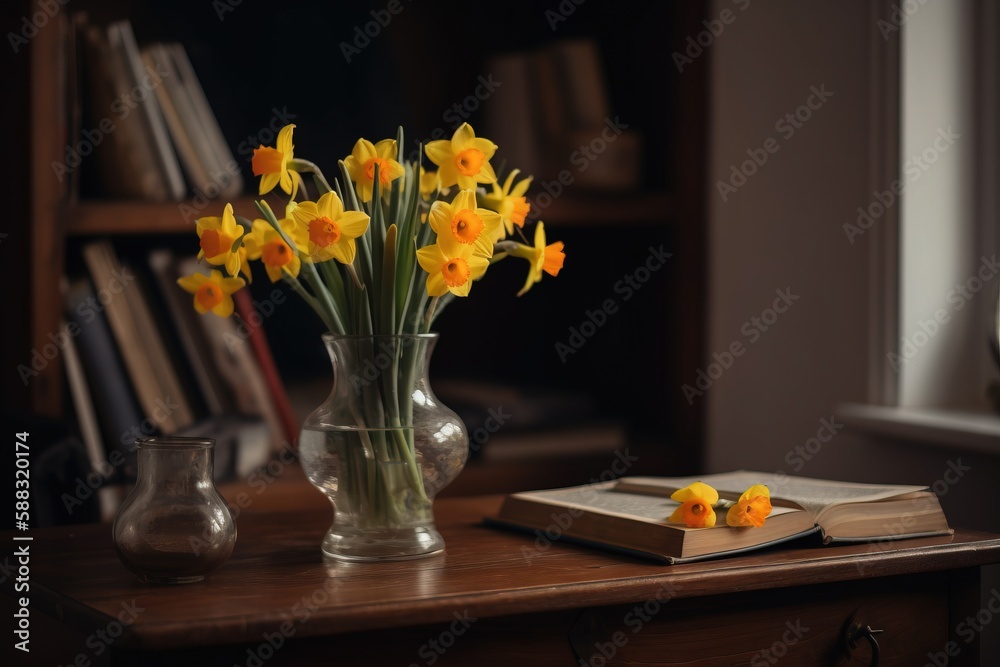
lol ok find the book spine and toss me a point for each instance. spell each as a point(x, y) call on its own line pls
point(262, 352)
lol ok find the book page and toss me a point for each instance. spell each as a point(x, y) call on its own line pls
point(601, 497)
point(814, 495)
point(605, 499)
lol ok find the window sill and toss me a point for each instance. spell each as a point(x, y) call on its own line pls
point(945, 428)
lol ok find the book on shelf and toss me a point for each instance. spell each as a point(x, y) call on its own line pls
point(189, 333)
point(631, 514)
point(117, 410)
point(133, 154)
point(208, 162)
point(237, 365)
point(146, 118)
point(109, 495)
point(262, 353)
point(554, 107)
point(148, 366)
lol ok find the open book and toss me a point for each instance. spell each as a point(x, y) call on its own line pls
point(631, 514)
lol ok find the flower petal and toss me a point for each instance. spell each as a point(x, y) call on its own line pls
point(462, 138)
point(696, 490)
point(439, 152)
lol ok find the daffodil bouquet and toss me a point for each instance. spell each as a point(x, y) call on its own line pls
point(382, 257)
point(380, 252)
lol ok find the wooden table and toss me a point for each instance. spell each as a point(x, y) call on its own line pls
point(500, 598)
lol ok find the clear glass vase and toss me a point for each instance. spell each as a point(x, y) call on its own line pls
point(174, 527)
point(381, 447)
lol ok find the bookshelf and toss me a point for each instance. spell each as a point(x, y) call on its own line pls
point(675, 210)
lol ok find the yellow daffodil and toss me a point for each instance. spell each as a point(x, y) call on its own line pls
point(463, 223)
point(213, 292)
point(464, 160)
point(278, 257)
point(330, 229)
point(451, 266)
point(696, 510)
point(542, 258)
point(216, 237)
point(361, 166)
point(510, 202)
point(271, 164)
point(428, 183)
point(752, 509)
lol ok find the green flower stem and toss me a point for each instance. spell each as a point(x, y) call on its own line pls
point(297, 287)
point(324, 293)
point(307, 167)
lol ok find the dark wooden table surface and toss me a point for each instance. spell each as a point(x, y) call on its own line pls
point(277, 575)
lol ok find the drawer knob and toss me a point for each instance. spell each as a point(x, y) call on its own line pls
point(858, 632)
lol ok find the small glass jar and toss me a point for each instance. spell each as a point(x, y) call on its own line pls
point(174, 528)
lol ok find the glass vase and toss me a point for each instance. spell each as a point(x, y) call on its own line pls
point(381, 447)
point(174, 527)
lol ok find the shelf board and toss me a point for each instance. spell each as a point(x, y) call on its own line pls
point(94, 217)
point(88, 218)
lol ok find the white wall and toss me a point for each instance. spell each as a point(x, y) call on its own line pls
point(782, 229)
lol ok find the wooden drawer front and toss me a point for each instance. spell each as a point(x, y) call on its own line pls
point(802, 626)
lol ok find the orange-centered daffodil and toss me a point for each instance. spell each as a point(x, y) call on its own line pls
point(510, 202)
point(213, 292)
point(464, 160)
point(451, 266)
point(542, 258)
point(216, 237)
point(362, 161)
point(271, 164)
point(277, 255)
point(462, 222)
point(697, 506)
point(752, 509)
point(329, 228)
